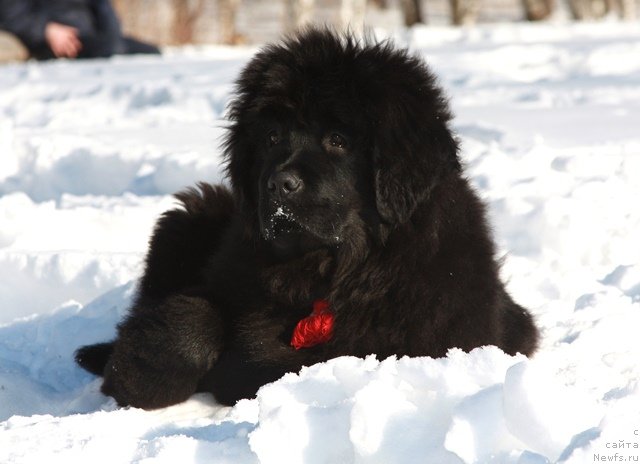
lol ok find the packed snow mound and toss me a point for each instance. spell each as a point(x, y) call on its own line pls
point(90, 153)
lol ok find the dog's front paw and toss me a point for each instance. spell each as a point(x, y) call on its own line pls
point(132, 381)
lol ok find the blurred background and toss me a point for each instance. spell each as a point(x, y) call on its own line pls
point(175, 22)
point(232, 22)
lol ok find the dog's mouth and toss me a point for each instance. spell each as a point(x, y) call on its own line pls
point(284, 235)
point(289, 233)
point(278, 223)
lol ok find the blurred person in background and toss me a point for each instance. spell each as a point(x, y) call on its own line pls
point(68, 28)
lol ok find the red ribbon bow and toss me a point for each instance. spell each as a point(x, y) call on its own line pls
point(314, 329)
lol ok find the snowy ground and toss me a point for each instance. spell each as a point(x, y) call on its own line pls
point(549, 117)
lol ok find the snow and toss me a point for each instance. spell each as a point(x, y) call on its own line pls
point(548, 116)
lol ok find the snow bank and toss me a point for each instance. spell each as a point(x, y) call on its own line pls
point(91, 151)
point(484, 406)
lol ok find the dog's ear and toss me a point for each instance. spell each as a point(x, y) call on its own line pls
point(407, 171)
point(413, 145)
point(239, 144)
point(240, 166)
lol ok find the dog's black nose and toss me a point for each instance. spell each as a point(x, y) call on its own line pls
point(284, 183)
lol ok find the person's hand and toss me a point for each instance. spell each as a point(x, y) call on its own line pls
point(63, 40)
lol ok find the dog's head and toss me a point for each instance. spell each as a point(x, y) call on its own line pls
point(330, 136)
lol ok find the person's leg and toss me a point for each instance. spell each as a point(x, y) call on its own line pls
point(99, 32)
point(107, 38)
point(94, 46)
point(98, 27)
point(109, 29)
point(133, 46)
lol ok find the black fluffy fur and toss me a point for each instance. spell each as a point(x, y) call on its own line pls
point(380, 221)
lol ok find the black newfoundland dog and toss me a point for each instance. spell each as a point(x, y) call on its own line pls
point(349, 229)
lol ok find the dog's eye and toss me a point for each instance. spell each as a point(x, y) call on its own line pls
point(273, 138)
point(338, 141)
